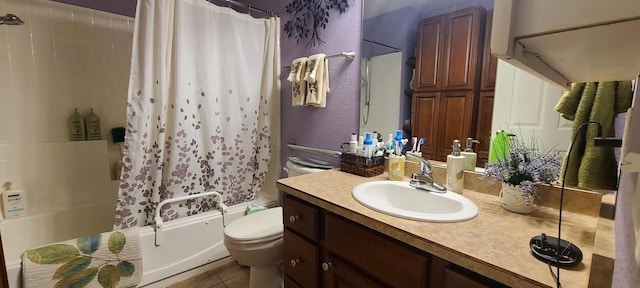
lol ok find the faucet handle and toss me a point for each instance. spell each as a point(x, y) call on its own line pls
point(425, 166)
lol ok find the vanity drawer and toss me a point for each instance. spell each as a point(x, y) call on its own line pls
point(301, 260)
point(375, 254)
point(301, 218)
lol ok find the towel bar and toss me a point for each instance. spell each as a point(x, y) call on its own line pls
point(349, 55)
point(315, 150)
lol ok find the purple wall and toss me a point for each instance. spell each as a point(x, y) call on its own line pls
point(397, 29)
point(328, 127)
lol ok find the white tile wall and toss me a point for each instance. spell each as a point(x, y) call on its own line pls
point(63, 57)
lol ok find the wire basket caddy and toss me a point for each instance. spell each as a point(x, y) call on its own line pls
point(360, 165)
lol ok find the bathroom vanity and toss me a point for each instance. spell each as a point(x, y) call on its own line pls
point(331, 240)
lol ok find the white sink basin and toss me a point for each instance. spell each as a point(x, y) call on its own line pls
point(399, 199)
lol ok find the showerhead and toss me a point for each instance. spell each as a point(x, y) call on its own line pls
point(10, 19)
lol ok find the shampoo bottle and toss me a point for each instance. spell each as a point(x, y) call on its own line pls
point(76, 127)
point(367, 145)
point(470, 157)
point(455, 169)
point(93, 126)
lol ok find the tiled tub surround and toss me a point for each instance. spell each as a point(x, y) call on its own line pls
point(494, 244)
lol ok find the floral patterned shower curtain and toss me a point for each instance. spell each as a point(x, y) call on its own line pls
point(202, 82)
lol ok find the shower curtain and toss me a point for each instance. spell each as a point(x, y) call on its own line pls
point(202, 82)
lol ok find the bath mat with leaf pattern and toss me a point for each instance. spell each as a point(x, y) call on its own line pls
point(110, 259)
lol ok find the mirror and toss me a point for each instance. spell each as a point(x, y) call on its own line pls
point(390, 26)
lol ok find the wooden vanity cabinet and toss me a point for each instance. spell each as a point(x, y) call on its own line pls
point(322, 249)
point(345, 254)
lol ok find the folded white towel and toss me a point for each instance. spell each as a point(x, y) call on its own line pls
point(111, 259)
point(317, 77)
point(298, 84)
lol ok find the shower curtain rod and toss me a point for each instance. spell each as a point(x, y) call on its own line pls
point(243, 5)
point(348, 55)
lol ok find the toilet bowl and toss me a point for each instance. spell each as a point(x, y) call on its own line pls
point(255, 240)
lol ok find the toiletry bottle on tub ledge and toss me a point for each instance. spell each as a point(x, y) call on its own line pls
point(455, 169)
point(76, 127)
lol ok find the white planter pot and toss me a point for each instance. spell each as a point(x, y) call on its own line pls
point(514, 199)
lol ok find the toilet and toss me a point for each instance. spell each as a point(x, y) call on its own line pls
point(255, 240)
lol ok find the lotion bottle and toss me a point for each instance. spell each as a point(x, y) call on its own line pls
point(470, 157)
point(353, 143)
point(14, 202)
point(455, 169)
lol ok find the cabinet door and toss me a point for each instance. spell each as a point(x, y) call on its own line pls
point(425, 121)
point(454, 120)
point(462, 46)
point(447, 275)
point(430, 47)
point(483, 131)
point(374, 254)
point(301, 218)
point(336, 274)
point(489, 63)
point(300, 260)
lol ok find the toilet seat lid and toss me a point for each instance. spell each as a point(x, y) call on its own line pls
point(259, 225)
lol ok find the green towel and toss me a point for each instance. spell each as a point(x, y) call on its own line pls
point(593, 167)
point(499, 147)
point(568, 103)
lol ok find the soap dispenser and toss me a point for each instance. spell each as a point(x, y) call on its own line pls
point(455, 169)
point(470, 157)
point(76, 127)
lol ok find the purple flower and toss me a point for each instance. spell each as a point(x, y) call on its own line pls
point(526, 166)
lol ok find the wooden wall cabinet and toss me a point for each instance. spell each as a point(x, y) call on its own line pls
point(489, 62)
point(425, 123)
point(431, 44)
point(453, 65)
point(322, 249)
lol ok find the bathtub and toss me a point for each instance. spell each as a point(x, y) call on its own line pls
point(188, 244)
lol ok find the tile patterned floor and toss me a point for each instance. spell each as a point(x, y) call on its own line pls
point(228, 276)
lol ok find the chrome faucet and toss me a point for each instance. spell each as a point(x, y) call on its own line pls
point(424, 180)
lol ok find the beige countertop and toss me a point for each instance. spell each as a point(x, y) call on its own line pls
point(494, 244)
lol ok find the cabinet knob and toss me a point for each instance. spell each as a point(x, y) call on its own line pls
point(326, 266)
point(293, 218)
point(294, 262)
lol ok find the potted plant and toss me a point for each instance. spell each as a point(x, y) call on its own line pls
point(521, 167)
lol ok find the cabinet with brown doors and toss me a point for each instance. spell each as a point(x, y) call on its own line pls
point(322, 249)
point(451, 68)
